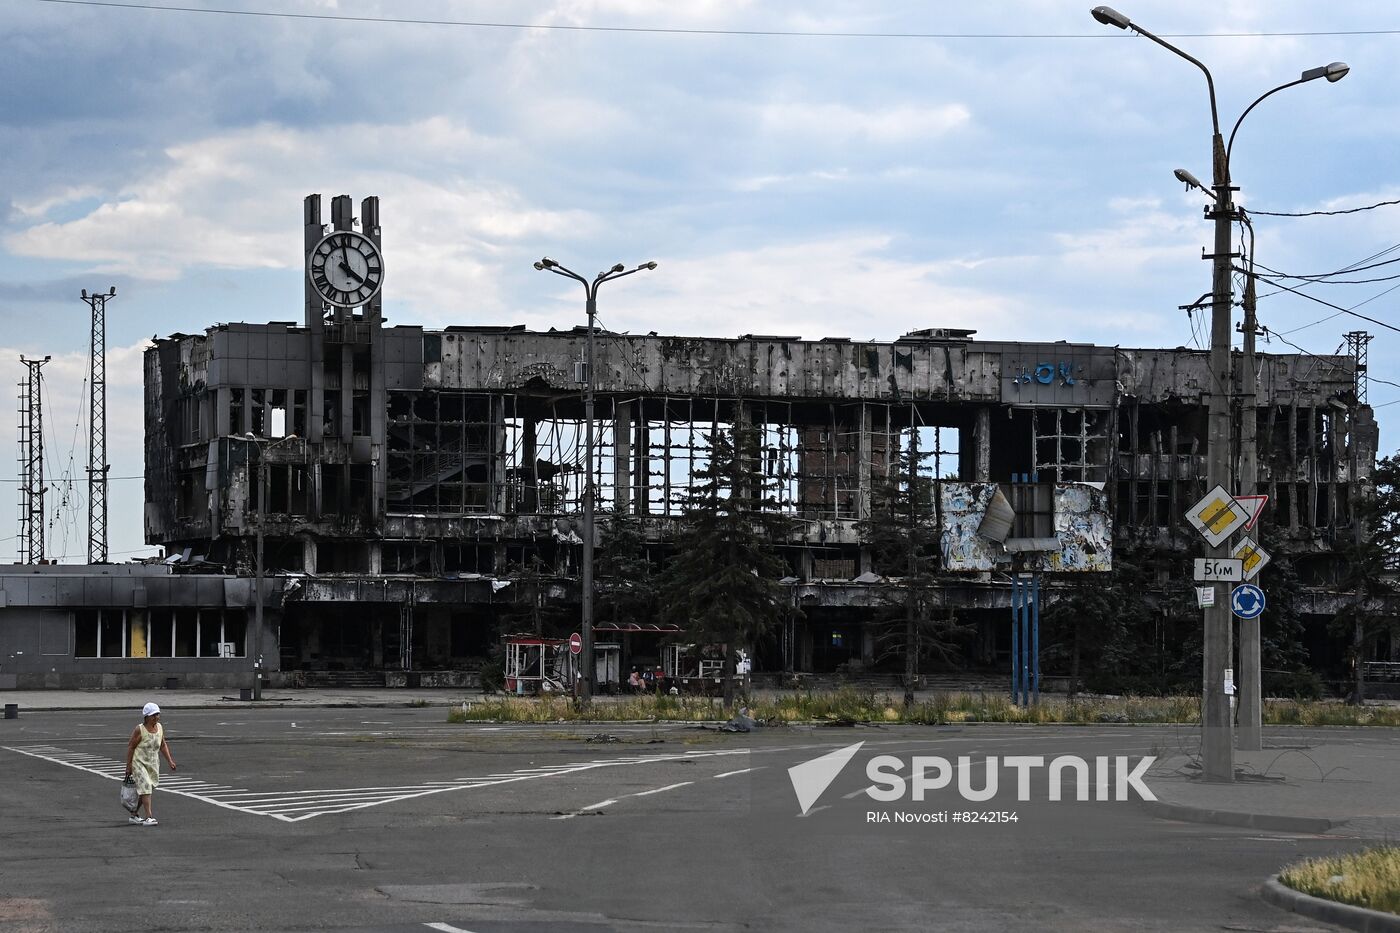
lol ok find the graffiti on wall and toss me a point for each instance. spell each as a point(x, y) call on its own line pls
point(1045, 373)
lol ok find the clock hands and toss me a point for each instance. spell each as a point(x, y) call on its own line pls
point(345, 267)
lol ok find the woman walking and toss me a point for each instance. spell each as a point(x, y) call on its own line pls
point(143, 761)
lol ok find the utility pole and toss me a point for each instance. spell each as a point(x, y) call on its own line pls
point(258, 574)
point(1217, 747)
point(97, 428)
point(1356, 343)
point(31, 463)
point(1251, 688)
point(913, 592)
point(588, 668)
point(1217, 740)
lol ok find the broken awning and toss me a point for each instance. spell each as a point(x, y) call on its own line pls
point(637, 627)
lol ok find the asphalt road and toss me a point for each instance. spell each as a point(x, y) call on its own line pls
point(394, 820)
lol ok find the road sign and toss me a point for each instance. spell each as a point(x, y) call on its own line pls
point(1218, 570)
point(1247, 601)
point(575, 643)
point(1252, 555)
point(1254, 505)
point(1217, 516)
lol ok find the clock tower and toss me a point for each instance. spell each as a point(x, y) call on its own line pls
point(344, 285)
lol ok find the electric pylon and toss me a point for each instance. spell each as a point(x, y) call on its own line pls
point(97, 434)
point(1356, 343)
point(31, 464)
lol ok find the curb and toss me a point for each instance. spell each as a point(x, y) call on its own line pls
point(250, 704)
point(1345, 915)
point(1265, 821)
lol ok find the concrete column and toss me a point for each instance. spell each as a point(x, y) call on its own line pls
point(376, 557)
point(622, 457)
point(863, 460)
point(982, 440)
point(641, 463)
point(308, 554)
point(528, 468)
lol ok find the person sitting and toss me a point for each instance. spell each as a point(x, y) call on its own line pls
point(635, 682)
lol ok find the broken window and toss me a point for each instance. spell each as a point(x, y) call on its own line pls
point(1034, 505)
point(330, 413)
point(258, 419)
point(1071, 444)
point(235, 411)
point(442, 455)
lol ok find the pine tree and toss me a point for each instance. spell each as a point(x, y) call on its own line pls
point(627, 583)
point(721, 582)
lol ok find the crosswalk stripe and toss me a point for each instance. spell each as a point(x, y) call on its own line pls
point(295, 806)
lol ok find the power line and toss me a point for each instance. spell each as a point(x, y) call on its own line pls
point(6, 480)
point(1329, 304)
point(1349, 210)
point(1327, 362)
point(659, 30)
point(1362, 266)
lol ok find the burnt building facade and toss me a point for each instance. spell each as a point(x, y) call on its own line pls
point(414, 487)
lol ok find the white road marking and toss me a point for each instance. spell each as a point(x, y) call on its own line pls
point(582, 810)
point(294, 806)
point(740, 771)
point(658, 790)
point(607, 803)
point(445, 928)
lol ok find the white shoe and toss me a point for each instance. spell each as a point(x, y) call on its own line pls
point(135, 820)
point(150, 821)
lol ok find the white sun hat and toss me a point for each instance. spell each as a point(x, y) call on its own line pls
point(150, 709)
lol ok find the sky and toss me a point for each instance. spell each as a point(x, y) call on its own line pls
point(851, 168)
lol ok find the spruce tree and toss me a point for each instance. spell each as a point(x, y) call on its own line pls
point(627, 583)
point(721, 582)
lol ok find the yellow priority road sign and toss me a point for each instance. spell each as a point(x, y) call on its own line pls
point(1217, 516)
point(1252, 556)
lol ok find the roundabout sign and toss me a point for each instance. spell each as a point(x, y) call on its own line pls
point(1247, 601)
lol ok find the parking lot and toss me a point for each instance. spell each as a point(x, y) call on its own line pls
point(394, 819)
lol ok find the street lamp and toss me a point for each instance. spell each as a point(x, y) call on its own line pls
point(1217, 747)
point(264, 445)
point(590, 291)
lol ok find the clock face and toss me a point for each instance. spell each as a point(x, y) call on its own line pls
point(346, 269)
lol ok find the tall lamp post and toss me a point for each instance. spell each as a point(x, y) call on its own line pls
point(263, 445)
point(1217, 746)
point(590, 290)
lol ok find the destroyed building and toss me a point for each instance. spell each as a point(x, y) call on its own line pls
point(414, 475)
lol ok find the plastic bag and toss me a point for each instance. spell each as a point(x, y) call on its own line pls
point(130, 799)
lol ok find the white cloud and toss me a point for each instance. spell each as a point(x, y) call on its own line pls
point(226, 202)
point(851, 286)
point(841, 122)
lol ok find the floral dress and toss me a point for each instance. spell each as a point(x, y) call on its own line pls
point(145, 763)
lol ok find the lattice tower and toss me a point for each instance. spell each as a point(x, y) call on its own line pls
point(1356, 344)
point(97, 434)
point(31, 463)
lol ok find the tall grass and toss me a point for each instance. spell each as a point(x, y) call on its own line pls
point(1365, 879)
point(848, 705)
